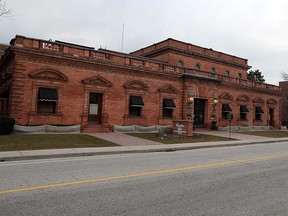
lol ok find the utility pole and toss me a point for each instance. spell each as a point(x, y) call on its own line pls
point(122, 38)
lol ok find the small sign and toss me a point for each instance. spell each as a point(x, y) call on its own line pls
point(180, 128)
point(183, 127)
point(93, 109)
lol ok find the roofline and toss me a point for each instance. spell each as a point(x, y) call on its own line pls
point(55, 42)
point(172, 39)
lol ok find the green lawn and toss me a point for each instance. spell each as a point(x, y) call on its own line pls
point(50, 141)
point(271, 134)
point(196, 138)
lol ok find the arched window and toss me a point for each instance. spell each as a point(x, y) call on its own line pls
point(227, 73)
point(213, 70)
point(197, 66)
point(239, 76)
point(180, 63)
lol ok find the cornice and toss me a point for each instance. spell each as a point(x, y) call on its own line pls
point(253, 88)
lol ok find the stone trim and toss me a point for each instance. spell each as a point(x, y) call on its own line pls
point(48, 74)
point(136, 85)
point(168, 89)
point(97, 80)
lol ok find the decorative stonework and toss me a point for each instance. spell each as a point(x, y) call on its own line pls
point(48, 74)
point(258, 100)
point(97, 80)
point(272, 101)
point(136, 85)
point(168, 89)
point(244, 98)
point(226, 96)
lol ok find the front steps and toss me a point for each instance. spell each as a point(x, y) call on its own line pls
point(95, 129)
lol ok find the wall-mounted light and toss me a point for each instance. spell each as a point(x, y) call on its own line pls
point(190, 98)
point(215, 99)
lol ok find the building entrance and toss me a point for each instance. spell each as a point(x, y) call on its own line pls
point(271, 117)
point(95, 108)
point(199, 113)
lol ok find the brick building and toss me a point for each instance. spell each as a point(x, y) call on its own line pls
point(284, 102)
point(54, 82)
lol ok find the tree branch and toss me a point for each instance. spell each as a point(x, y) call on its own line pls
point(3, 9)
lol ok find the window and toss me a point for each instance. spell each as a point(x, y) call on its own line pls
point(135, 105)
point(197, 67)
point(47, 100)
point(213, 70)
point(239, 76)
point(225, 110)
point(168, 107)
point(227, 73)
point(243, 112)
point(258, 113)
point(180, 63)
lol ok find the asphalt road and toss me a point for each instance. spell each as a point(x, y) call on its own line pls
point(244, 180)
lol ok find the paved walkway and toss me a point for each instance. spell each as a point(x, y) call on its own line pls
point(131, 144)
point(124, 139)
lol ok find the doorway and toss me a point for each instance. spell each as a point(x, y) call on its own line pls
point(95, 108)
point(199, 113)
point(271, 117)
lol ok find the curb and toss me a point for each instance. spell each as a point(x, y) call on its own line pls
point(167, 149)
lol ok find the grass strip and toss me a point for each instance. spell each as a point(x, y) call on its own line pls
point(50, 141)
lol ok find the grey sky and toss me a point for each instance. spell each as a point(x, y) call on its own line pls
point(252, 29)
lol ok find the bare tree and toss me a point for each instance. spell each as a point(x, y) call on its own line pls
point(284, 76)
point(4, 11)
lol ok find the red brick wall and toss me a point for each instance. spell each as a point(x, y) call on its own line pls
point(110, 73)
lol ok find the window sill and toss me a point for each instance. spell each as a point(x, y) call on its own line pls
point(45, 114)
point(169, 118)
point(135, 117)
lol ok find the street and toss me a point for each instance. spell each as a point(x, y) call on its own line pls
point(243, 180)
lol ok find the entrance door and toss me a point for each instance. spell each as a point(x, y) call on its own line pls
point(95, 108)
point(199, 113)
point(271, 117)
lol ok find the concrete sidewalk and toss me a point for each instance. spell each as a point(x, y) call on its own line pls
point(131, 144)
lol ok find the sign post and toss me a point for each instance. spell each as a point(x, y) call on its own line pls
point(229, 118)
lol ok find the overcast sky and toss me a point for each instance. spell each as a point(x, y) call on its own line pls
point(253, 29)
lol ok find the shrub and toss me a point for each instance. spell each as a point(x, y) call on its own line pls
point(6, 125)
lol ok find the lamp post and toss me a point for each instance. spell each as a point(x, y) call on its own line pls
point(229, 118)
point(214, 105)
